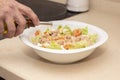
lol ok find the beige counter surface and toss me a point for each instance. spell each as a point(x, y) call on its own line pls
point(19, 62)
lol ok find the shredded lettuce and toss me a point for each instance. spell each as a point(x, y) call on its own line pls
point(47, 30)
point(93, 37)
point(53, 45)
point(84, 30)
point(80, 44)
point(59, 27)
point(35, 39)
point(67, 30)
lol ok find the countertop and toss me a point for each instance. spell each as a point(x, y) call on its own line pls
point(19, 62)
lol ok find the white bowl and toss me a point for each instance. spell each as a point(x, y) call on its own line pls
point(64, 56)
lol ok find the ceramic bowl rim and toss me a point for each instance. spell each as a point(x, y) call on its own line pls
point(28, 43)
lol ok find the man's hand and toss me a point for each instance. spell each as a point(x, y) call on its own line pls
point(12, 11)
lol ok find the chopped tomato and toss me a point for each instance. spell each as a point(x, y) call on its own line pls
point(77, 32)
point(37, 32)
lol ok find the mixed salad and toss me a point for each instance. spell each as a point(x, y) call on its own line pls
point(63, 37)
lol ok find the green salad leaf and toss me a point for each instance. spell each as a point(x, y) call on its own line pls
point(80, 44)
point(54, 45)
point(84, 30)
point(35, 39)
point(93, 37)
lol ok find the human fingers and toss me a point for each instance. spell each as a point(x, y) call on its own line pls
point(21, 23)
point(29, 13)
point(1, 28)
point(10, 27)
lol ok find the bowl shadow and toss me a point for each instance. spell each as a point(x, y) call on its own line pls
point(70, 69)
